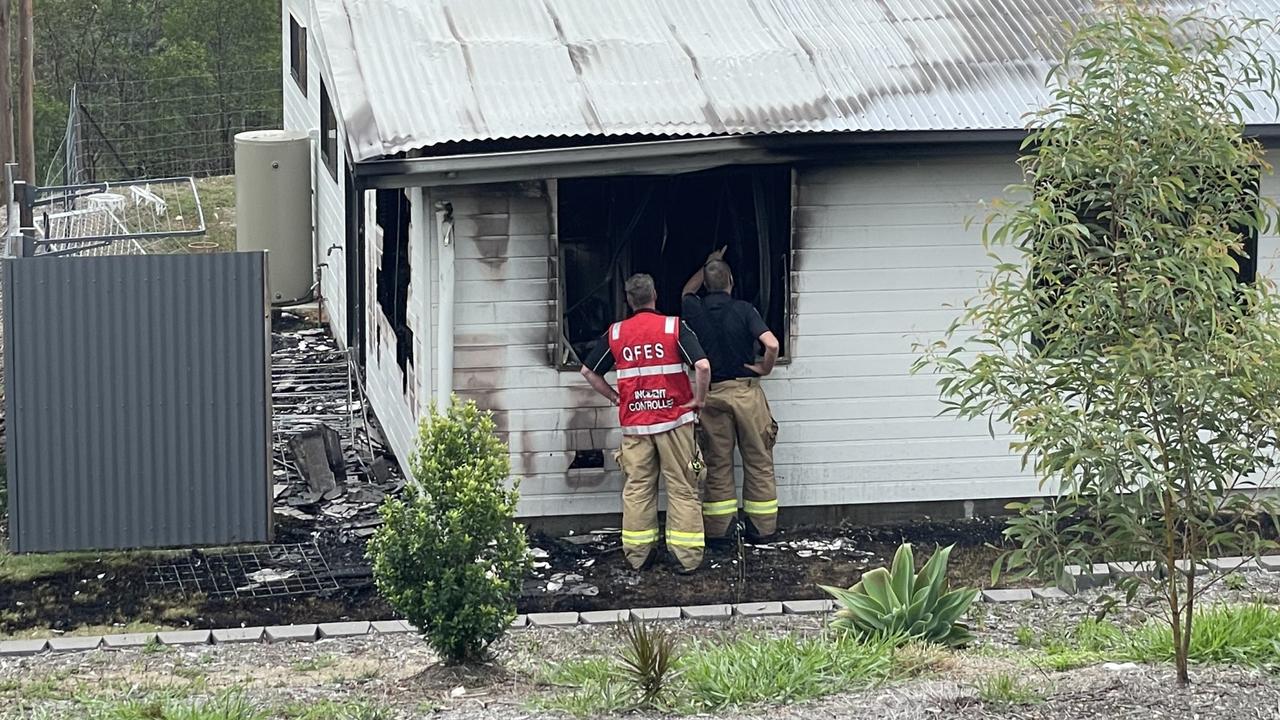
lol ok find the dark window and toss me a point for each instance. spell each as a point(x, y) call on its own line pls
point(298, 54)
point(328, 133)
point(1248, 261)
point(393, 273)
point(666, 226)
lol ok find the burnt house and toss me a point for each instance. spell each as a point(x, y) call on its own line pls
point(487, 172)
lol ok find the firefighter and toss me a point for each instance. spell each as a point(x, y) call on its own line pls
point(737, 411)
point(657, 409)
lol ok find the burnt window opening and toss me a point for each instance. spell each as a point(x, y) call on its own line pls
point(393, 210)
point(610, 228)
point(587, 459)
point(298, 54)
point(328, 133)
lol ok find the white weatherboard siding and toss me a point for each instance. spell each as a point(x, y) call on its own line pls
point(1269, 244)
point(303, 113)
point(880, 247)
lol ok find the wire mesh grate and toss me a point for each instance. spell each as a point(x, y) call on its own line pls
point(261, 572)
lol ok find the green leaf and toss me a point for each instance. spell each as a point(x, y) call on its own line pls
point(903, 573)
point(877, 586)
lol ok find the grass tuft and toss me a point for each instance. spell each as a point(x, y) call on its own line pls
point(1025, 636)
point(745, 671)
point(587, 687)
point(752, 670)
point(334, 710)
point(1243, 635)
point(229, 706)
point(1006, 690)
point(1247, 635)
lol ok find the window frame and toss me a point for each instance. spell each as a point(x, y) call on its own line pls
point(328, 133)
point(298, 53)
point(561, 352)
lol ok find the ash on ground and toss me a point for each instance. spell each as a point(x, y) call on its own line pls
point(332, 466)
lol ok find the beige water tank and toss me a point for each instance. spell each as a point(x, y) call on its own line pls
point(273, 207)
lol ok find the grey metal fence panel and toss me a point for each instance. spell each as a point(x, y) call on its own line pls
point(138, 401)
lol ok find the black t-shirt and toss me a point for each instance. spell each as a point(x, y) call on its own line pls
point(728, 330)
point(601, 360)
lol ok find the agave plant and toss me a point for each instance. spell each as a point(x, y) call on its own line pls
point(903, 603)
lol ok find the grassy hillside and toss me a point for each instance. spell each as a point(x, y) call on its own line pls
point(218, 199)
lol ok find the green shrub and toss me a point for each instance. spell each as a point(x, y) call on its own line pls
point(449, 555)
point(905, 604)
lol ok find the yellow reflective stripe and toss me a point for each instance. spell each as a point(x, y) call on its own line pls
point(685, 539)
point(723, 507)
point(639, 537)
point(768, 507)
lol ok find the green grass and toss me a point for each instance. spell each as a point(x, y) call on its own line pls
point(1247, 635)
point(745, 671)
point(1061, 660)
point(218, 200)
point(781, 670)
point(25, 568)
point(172, 706)
point(587, 687)
point(1005, 690)
point(1026, 636)
point(334, 710)
point(1243, 635)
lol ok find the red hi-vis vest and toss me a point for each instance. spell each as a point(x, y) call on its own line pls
point(653, 385)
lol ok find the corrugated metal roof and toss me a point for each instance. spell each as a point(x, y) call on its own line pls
point(415, 73)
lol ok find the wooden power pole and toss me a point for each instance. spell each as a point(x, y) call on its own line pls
point(6, 97)
point(26, 92)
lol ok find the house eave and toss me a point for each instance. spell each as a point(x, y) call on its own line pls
point(664, 156)
point(640, 158)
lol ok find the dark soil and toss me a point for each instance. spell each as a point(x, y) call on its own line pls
point(790, 567)
point(112, 589)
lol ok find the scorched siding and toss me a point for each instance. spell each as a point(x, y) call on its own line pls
point(880, 248)
point(398, 403)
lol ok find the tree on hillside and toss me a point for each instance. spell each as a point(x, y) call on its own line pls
point(169, 82)
point(1124, 339)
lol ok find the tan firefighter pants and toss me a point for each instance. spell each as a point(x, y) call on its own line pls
point(737, 412)
point(643, 459)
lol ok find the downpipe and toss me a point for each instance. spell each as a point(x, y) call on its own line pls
point(444, 331)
